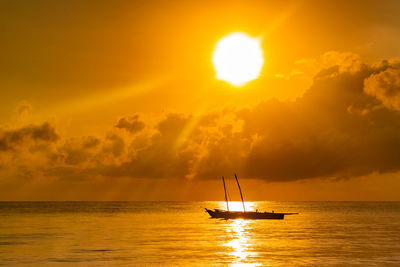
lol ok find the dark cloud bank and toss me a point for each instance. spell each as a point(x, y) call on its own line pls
point(346, 125)
point(12, 139)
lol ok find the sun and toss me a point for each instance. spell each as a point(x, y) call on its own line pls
point(238, 58)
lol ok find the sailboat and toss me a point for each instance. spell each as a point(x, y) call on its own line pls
point(227, 214)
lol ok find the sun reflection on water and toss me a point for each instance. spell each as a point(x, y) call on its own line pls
point(238, 206)
point(239, 246)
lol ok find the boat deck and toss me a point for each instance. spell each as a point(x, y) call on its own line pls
point(222, 214)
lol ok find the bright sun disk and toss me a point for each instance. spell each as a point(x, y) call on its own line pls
point(238, 58)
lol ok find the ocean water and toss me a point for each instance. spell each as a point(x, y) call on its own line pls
point(182, 234)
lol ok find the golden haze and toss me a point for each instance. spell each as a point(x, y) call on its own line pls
point(119, 101)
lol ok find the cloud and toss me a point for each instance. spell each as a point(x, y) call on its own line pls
point(23, 109)
point(160, 159)
point(90, 142)
point(334, 130)
point(114, 144)
point(27, 152)
point(10, 139)
point(77, 151)
point(385, 86)
point(131, 124)
point(320, 134)
point(345, 125)
point(310, 67)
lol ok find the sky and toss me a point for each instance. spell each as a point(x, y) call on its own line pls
point(119, 101)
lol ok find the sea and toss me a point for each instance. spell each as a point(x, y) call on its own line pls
point(183, 234)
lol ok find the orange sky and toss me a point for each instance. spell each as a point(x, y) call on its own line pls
point(119, 101)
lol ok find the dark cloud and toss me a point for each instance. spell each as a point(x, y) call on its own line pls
point(161, 158)
point(334, 130)
point(23, 108)
point(10, 139)
point(76, 150)
point(131, 124)
point(346, 125)
point(115, 145)
point(385, 86)
point(90, 142)
point(319, 136)
point(76, 156)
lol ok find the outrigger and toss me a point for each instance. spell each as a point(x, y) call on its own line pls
point(226, 214)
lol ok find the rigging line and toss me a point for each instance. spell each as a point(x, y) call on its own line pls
point(226, 198)
point(240, 190)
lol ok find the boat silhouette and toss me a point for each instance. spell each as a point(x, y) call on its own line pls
point(226, 214)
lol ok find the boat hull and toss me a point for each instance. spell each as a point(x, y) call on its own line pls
point(221, 214)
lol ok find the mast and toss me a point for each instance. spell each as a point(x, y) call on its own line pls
point(240, 190)
point(226, 198)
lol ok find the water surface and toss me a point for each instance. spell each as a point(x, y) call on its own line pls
point(182, 234)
